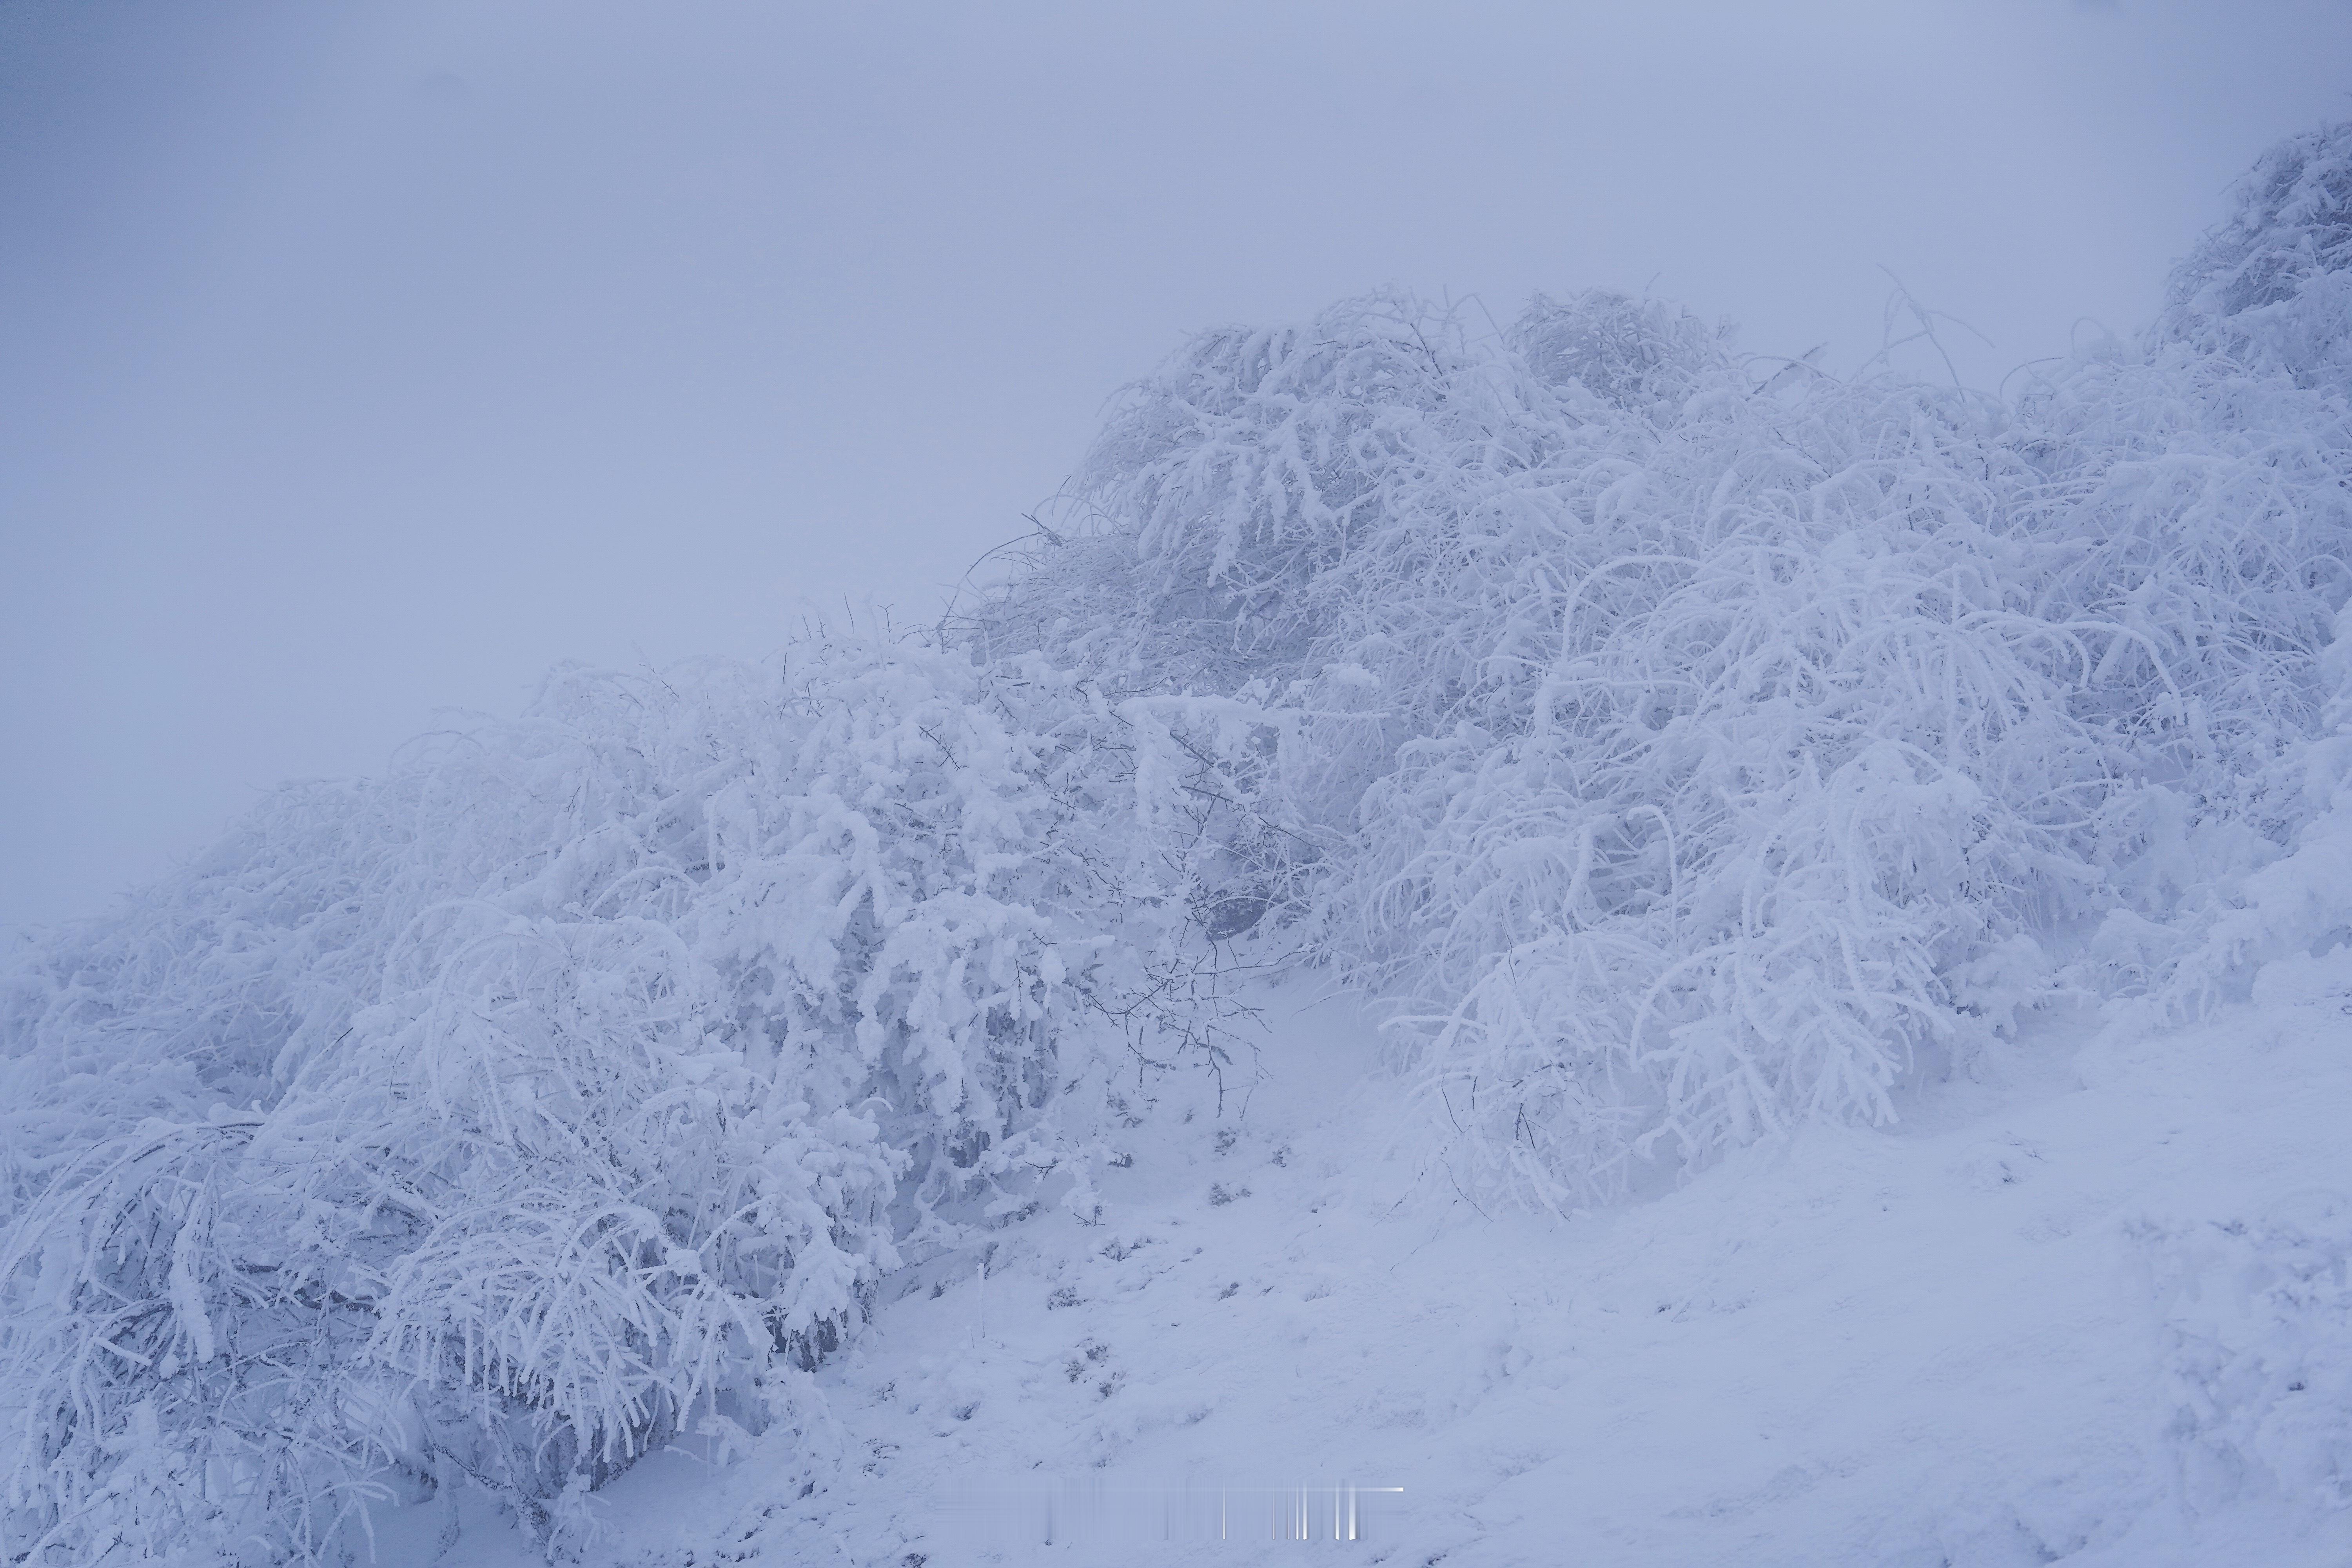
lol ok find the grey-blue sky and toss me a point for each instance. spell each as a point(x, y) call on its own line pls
point(361, 361)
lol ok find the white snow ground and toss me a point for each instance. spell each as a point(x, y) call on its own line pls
point(2095, 1312)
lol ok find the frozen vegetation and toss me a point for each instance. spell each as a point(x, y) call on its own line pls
point(1749, 820)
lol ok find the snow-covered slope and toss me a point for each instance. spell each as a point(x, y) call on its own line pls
point(2095, 1313)
point(1853, 875)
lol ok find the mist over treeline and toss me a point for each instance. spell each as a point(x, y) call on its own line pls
point(365, 359)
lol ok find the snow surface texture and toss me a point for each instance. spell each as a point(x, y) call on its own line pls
point(1731, 788)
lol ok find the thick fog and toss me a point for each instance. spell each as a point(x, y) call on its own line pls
point(365, 360)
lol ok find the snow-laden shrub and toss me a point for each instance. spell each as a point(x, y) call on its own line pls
point(1645, 356)
point(2271, 287)
point(2287, 905)
point(1686, 739)
point(572, 1083)
point(2206, 511)
point(1227, 488)
point(179, 1380)
point(2206, 490)
point(1767, 785)
point(1689, 745)
point(1265, 487)
point(1298, 517)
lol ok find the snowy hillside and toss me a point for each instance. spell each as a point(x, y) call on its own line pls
point(1829, 896)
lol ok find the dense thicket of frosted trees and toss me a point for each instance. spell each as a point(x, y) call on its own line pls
point(1685, 744)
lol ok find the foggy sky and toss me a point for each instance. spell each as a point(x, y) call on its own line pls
point(363, 361)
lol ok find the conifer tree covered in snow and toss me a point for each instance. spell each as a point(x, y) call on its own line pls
point(1684, 744)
